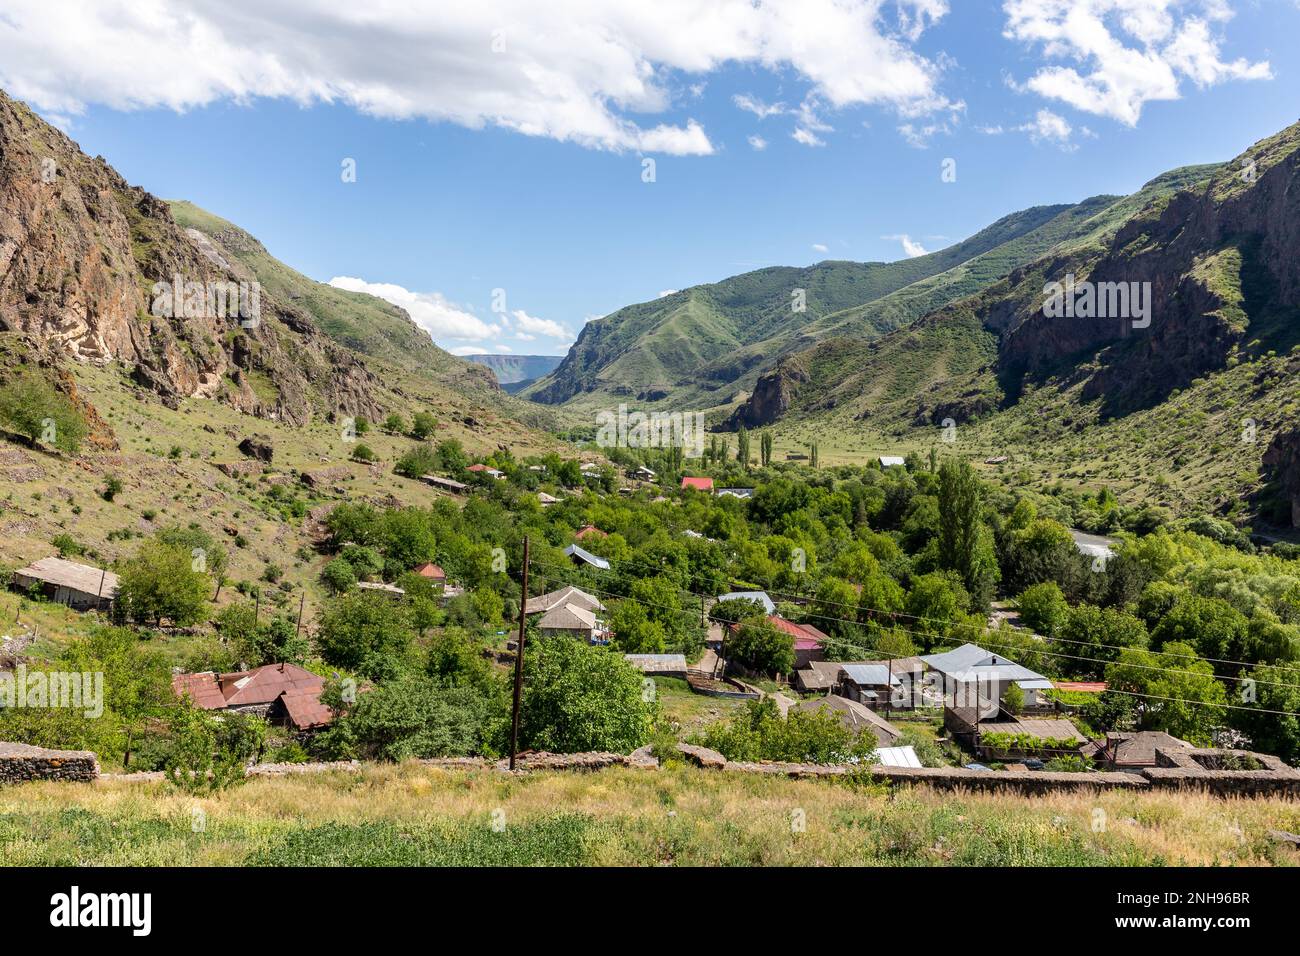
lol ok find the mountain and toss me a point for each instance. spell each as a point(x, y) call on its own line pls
point(177, 392)
point(1178, 412)
point(704, 347)
point(517, 372)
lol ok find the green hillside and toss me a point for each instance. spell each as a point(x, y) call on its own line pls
point(703, 345)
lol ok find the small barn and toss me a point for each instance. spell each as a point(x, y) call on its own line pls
point(79, 586)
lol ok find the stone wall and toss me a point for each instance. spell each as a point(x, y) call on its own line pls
point(19, 762)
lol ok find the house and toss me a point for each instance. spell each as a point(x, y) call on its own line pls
point(890, 461)
point(995, 460)
point(79, 586)
point(381, 587)
point(1132, 751)
point(590, 531)
point(446, 484)
point(579, 556)
point(699, 484)
point(760, 596)
point(568, 595)
point(546, 500)
point(974, 681)
point(644, 473)
point(571, 620)
point(809, 642)
point(734, 492)
point(871, 684)
point(434, 574)
point(854, 716)
point(282, 693)
point(1059, 730)
point(485, 470)
point(659, 665)
point(820, 677)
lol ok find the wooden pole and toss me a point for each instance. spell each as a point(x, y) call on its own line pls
point(301, 604)
point(519, 660)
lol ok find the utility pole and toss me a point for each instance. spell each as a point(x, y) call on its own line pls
point(301, 604)
point(519, 661)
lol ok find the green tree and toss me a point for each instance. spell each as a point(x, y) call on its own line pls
point(1177, 692)
point(761, 647)
point(742, 446)
point(364, 632)
point(1043, 607)
point(423, 424)
point(159, 583)
point(578, 698)
point(33, 408)
point(965, 545)
point(765, 448)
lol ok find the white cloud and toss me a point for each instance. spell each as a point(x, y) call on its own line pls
point(1130, 51)
point(1050, 127)
point(752, 104)
point(531, 325)
point(801, 135)
point(665, 292)
point(911, 248)
point(820, 247)
point(430, 310)
point(468, 350)
point(568, 70)
point(758, 143)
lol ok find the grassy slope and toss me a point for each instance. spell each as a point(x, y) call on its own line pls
point(36, 505)
point(702, 344)
point(413, 815)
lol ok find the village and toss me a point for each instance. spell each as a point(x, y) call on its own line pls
point(963, 705)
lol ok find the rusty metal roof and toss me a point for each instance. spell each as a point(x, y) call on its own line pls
point(202, 689)
point(265, 684)
point(305, 710)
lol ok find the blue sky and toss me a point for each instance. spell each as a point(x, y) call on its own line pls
point(1037, 101)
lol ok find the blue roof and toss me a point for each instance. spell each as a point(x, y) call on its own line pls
point(581, 554)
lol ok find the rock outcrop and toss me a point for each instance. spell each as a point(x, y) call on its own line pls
point(88, 266)
point(1282, 463)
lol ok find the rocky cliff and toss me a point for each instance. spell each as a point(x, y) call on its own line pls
point(82, 254)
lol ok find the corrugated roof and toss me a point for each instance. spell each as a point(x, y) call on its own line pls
point(265, 684)
point(70, 574)
point(870, 675)
point(581, 554)
point(857, 717)
point(202, 689)
point(431, 571)
point(898, 756)
point(567, 617)
point(567, 595)
point(970, 661)
point(655, 663)
point(304, 709)
point(759, 596)
point(699, 484)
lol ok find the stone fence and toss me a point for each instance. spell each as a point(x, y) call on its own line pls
point(19, 762)
point(1177, 770)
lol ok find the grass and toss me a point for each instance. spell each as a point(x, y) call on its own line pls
point(416, 815)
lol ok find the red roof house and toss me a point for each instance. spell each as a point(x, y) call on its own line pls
point(809, 642)
point(432, 572)
point(699, 484)
point(284, 691)
point(590, 531)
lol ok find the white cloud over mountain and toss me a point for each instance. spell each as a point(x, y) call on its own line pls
point(431, 311)
point(1122, 54)
point(570, 70)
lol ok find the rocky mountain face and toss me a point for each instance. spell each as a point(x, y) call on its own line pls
point(1218, 265)
point(87, 263)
